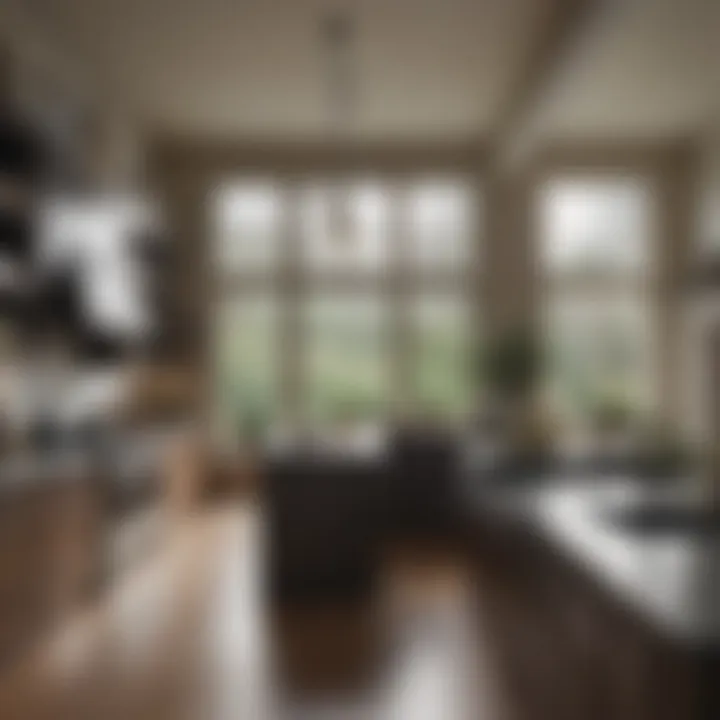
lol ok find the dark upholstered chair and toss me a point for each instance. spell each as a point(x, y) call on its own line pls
point(325, 519)
point(423, 481)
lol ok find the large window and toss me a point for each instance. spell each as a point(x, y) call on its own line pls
point(346, 358)
point(344, 227)
point(248, 217)
point(344, 300)
point(247, 367)
point(596, 253)
point(442, 355)
point(441, 226)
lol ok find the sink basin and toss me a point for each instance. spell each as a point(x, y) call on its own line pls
point(675, 520)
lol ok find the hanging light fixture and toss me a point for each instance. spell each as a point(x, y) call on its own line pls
point(338, 37)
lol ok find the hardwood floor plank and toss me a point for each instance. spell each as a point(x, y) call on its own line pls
point(189, 637)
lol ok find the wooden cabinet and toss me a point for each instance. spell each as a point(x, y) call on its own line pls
point(569, 648)
point(50, 550)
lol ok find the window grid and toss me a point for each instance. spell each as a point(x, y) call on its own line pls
point(398, 284)
point(598, 270)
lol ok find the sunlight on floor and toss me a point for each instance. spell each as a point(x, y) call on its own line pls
point(188, 636)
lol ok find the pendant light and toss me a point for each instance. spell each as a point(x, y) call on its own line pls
point(338, 39)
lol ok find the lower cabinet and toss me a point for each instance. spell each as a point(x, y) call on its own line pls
point(568, 650)
point(50, 550)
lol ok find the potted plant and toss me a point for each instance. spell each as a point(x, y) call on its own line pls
point(611, 417)
point(511, 365)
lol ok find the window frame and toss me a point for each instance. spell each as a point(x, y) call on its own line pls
point(634, 286)
point(396, 288)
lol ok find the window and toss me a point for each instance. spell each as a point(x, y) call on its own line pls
point(441, 226)
point(440, 254)
point(599, 351)
point(597, 258)
point(346, 359)
point(596, 228)
point(248, 216)
point(441, 367)
point(377, 279)
point(344, 227)
point(247, 368)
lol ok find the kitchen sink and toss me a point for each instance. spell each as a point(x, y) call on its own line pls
point(667, 519)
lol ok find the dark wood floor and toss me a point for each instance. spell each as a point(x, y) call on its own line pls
point(187, 636)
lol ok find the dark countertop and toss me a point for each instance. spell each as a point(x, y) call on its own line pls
point(671, 579)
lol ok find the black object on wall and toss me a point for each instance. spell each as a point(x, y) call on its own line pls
point(20, 150)
point(157, 257)
point(58, 313)
point(20, 175)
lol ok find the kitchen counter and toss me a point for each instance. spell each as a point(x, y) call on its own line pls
point(671, 579)
point(594, 616)
point(123, 454)
point(27, 471)
point(71, 518)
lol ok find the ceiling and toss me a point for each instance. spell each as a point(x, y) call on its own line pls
point(644, 68)
point(426, 69)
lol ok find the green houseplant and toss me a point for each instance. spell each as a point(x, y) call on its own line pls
point(511, 365)
point(610, 414)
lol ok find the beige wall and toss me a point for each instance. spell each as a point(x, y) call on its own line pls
point(703, 310)
point(708, 190)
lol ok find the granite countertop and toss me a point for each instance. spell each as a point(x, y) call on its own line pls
point(672, 579)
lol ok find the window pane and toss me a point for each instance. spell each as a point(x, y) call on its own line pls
point(344, 227)
point(442, 382)
point(595, 226)
point(599, 350)
point(248, 216)
point(346, 363)
point(441, 225)
point(246, 366)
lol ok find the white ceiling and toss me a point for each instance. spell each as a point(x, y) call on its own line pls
point(427, 69)
point(647, 68)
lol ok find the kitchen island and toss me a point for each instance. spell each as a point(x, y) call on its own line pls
point(596, 615)
point(51, 545)
point(72, 519)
